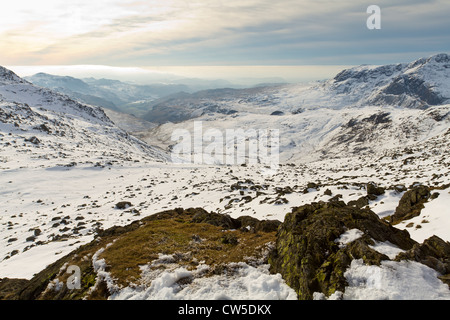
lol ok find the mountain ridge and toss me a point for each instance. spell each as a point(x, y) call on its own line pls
point(58, 125)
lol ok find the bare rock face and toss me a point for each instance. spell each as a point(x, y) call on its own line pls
point(309, 256)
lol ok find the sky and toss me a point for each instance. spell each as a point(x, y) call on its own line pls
point(161, 34)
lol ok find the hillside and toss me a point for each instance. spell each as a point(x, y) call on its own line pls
point(43, 128)
point(112, 94)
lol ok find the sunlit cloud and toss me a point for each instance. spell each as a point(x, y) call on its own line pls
point(206, 32)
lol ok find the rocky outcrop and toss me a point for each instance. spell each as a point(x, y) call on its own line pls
point(434, 253)
point(309, 255)
point(405, 86)
point(411, 204)
point(360, 202)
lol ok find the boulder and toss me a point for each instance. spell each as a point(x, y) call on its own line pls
point(256, 225)
point(309, 256)
point(33, 140)
point(216, 219)
point(360, 203)
point(433, 252)
point(411, 204)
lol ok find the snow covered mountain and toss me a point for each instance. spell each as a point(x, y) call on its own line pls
point(419, 84)
point(363, 110)
point(112, 94)
point(40, 127)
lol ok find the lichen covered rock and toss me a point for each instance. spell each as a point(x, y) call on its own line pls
point(309, 254)
point(411, 204)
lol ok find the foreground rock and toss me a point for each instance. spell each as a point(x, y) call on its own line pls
point(311, 252)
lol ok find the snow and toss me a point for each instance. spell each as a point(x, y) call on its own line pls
point(26, 264)
point(153, 187)
point(386, 203)
point(387, 248)
point(348, 236)
point(433, 220)
point(67, 186)
point(404, 280)
point(247, 283)
point(310, 135)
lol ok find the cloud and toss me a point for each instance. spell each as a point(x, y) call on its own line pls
point(120, 32)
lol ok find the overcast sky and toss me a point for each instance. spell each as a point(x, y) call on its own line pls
point(219, 32)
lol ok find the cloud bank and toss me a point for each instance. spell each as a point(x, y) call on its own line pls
point(216, 32)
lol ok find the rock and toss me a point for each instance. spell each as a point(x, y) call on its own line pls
point(312, 185)
point(360, 203)
point(44, 128)
point(433, 252)
point(256, 225)
point(283, 191)
point(307, 255)
point(221, 220)
point(373, 189)
point(411, 204)
point(229, 238)
point(123, 205)
point(399, 188)
point(33, 140)
point(277, 113)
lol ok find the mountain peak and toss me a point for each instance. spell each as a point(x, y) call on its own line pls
point(417, 84)
point(8, 76)
point(440, 58)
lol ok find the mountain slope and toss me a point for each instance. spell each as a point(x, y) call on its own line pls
point(112, 94)
point(42, 127)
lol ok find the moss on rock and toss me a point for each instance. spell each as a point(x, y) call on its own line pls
point(308, 255)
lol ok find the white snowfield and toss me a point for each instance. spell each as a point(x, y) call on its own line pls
point(64, 166)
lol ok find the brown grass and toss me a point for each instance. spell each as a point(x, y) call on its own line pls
point(143, 245)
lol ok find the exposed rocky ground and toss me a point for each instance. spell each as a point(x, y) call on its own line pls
point(312, 249)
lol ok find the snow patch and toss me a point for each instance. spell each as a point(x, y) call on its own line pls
point(387, 248)
point(246, 283)
point(404, 280)
point(348, 236)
